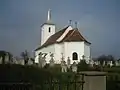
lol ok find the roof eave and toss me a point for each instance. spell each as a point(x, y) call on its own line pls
point(88, 42)
point(47, 24)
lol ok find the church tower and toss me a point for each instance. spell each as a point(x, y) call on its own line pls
point(47, 29)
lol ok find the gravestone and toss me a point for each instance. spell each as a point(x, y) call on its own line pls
point(68, 62)
point(6, 58)
point(22, 62)
point(103, 63)
point(40, 59)
point(63, 66)
point(91, 62)
point(43, 60)
point(74, 67)
point(1, 60)
point(111, 63)
point(87, 61)
point(83, 57)
point(117, 63)
point(14, 60)
point(108, 63)
point(96, 62)
point(30, 62)
point(52, 61)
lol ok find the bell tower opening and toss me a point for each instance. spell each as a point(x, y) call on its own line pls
point(49, 29)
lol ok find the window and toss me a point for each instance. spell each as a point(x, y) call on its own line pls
point(49, 29)
point(75, 56)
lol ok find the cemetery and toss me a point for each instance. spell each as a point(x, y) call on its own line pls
point(88, 75)
point(63, 65)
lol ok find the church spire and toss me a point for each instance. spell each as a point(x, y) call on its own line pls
point(49, 15)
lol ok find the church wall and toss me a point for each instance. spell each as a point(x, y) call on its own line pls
point(87, 51)
point(47, 50)
point(58, 52)
point(42, 35)
point(67, 48)
point(71, 47)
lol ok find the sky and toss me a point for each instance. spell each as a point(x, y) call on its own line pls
point(98, 21)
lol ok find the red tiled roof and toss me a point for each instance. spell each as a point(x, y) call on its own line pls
point(72, 35)
point(53, 38)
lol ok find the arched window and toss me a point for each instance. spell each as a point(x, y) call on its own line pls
point(75, 56)
point(49, 29)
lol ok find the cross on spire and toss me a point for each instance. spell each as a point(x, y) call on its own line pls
point(70, 22)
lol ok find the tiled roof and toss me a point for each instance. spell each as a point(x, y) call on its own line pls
point(53, 38)
point(72, 35)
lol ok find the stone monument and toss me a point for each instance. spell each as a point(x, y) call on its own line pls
point(6, 58)
point(52, 61)
point(40, 59)
point(96, 62)
point(30, 62)
point(63, 64)
point(103, 63)
point(74, 67)
point(68, 62)
point(1, 60)
point(91, 63)
point(43, 60)
point(111, 63)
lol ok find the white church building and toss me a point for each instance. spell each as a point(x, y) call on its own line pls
point(66, 43)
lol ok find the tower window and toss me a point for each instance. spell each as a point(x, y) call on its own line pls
point(75, 56)
point(49, 29)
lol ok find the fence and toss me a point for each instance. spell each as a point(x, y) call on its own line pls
point(52, 84)
point(113, 82)
point(16, 86)
point(55, 84)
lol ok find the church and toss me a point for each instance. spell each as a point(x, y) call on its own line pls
point(65, 44)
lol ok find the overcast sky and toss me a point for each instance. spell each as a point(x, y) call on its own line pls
point(98, 21)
